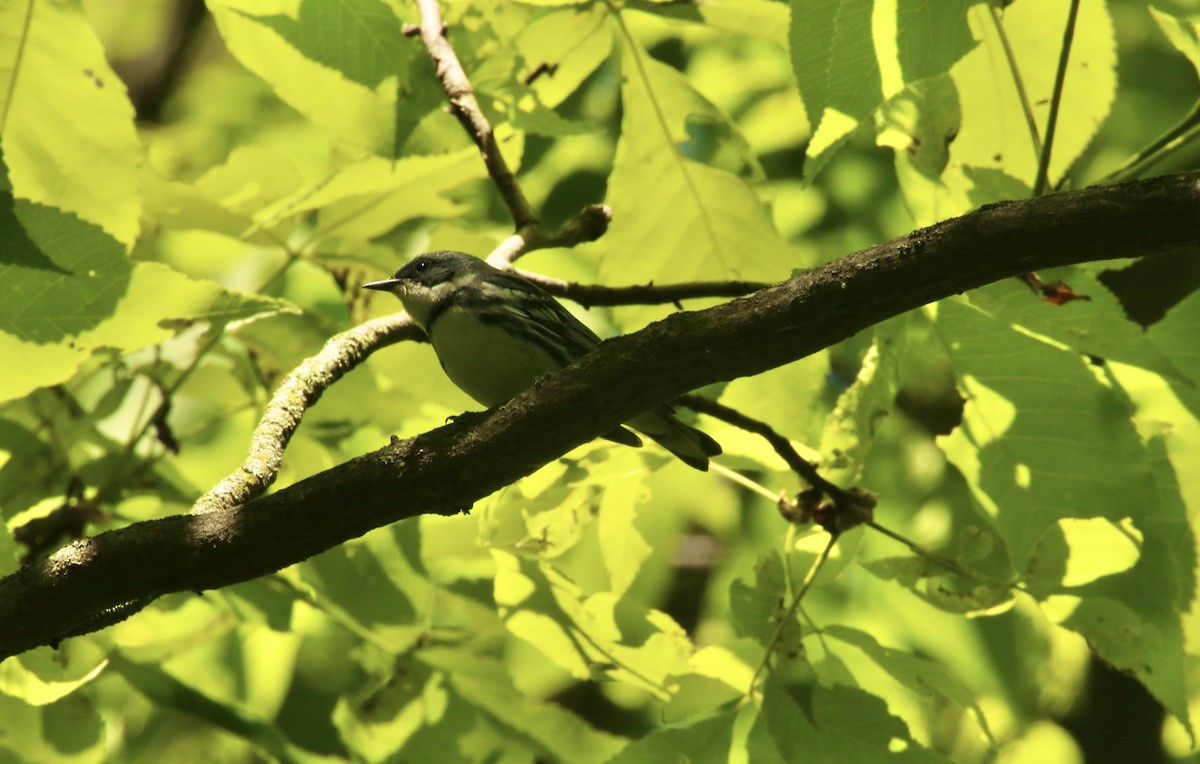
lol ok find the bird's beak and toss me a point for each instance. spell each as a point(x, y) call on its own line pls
point(386, 285)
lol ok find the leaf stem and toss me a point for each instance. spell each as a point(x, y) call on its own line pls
point(1018, 82)
point(941, 560)
point(1183, 132)
point(809, 577)
point(1039, 185)
point(744, 481)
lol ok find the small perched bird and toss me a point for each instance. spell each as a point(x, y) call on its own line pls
point(495, 334)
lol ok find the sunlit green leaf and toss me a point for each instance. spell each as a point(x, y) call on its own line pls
point(835, 725)
point(705, 741)
point(673, 218)
point(915, 672)
point(563, 48)
point(560, 735)
point(995, 132)
point(623, 547)
point(1183, 31)
point(756, 609)
point(1043, 439)
point(760, 18)
point(1096, 326)
point(66, 124)
point(583, 635)
point(71, 289)
point(40, 677)
point(850, 428)
point(381, 89)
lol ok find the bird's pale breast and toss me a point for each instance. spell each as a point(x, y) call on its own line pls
point(484, 360)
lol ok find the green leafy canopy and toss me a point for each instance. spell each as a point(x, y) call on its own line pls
point(191, 199)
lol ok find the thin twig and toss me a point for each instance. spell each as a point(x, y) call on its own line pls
point(591, 295)
point(798, 464)
point(590, 224)
point(745, 482)
point(834, 508)
point(1039, 185)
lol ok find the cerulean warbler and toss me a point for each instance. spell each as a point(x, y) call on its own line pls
point(496, 333)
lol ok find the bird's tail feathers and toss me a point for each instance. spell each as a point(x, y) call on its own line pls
point(692, 446)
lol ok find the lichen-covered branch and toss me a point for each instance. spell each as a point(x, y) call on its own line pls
point(299, 390)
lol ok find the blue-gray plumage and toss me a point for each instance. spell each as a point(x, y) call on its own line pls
point(495, 334)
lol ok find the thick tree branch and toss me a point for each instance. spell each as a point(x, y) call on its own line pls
point(448, 469)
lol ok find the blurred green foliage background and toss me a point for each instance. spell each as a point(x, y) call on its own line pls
point(193, 195)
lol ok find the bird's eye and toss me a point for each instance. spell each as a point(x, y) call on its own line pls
point(421, 265)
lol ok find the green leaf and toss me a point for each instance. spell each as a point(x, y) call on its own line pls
point(529, 609)
point(378, 722)
point(372, 196)
point(621, 543)
point(753, 18)
point(921, 124)
point(1174, 335)
point(1042, 438)
point(559, 735)
point(755, 608)
point(703, 741)
point(1151, 651)
point(788, 396)
point(585, 635)
point(370, 95)
point(1098, 326)
point(362, 582)
point(931, 38)
point(322, 29)
point(849, 59)
point(66, 124)
point(931, 582)
point(178, 206)
point(920, 675)
point(835, 725)
point(44, 676)
point(1046, 441)
point(1132, 619)
point(564, 48)
point(169, 692)
point(71, 289)
point(995, 134)
point(1183, 31)
point(833, 56)
point(44, 733)
point(673, 218)
point(850, 429)
point(62, 275)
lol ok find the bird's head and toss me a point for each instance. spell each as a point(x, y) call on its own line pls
point(428, 279)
